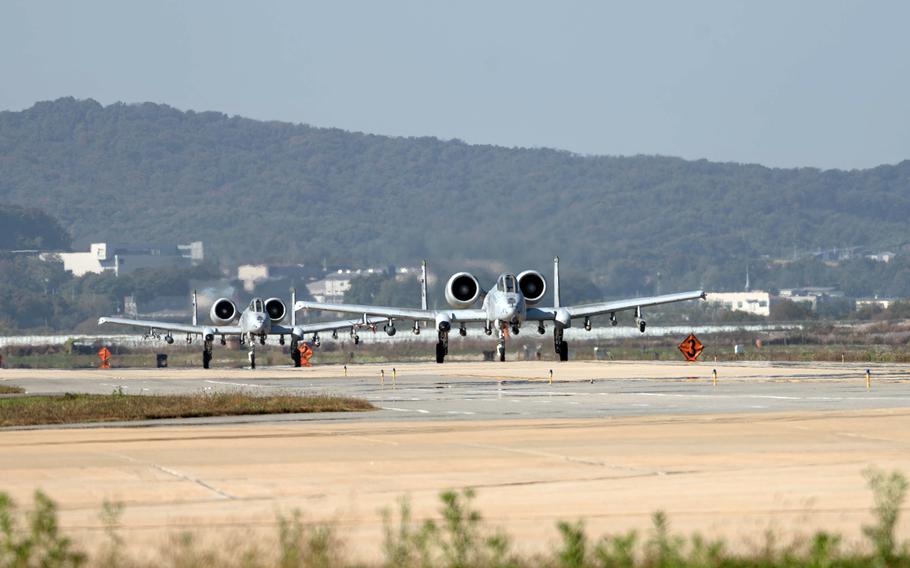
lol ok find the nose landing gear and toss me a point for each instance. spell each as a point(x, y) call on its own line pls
point(501, 344)
point(252, 353)
point(561, 346)
point(442, 346)
point(206, 354)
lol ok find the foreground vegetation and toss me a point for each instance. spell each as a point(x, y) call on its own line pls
point(11, 389)
point(459, 538)
point(75, 408)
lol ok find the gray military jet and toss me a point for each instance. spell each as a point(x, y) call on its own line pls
point(512, 302)
point(259, 320)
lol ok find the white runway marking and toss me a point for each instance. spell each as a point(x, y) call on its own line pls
point(243, 384)
point(396, 409)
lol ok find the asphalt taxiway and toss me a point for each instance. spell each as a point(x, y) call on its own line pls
point(489, 391)
point(780, 447)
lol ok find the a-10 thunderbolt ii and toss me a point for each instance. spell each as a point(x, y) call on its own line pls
point(259, 320)
point(512, 302)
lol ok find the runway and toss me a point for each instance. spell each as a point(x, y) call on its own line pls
point(491, 391)
point(771, 446)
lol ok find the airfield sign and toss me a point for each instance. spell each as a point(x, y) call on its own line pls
point(691, 348)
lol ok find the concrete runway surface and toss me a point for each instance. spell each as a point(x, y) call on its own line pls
point(780, 446)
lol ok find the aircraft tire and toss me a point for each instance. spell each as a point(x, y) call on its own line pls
point(252, 361)
point(563, 351)
point(440, 352)
point(295, 356)
point(501, 349)
point(206, 359)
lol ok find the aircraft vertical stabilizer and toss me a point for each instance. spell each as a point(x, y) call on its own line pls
point(423, 285)
point(556, 282)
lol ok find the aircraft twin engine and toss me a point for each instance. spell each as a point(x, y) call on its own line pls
point(462, 290)
point(223, 312)
point(276, 309)
point(532, 285)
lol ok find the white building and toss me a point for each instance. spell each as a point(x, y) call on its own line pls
point(886, 256)
point(883, 303)
point(122, 259)
point(758, 303)
point(251, 274)
point(330, 290)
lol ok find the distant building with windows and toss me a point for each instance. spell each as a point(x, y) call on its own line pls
point(883, 303)
point(758, 303)
point(886, 256)
point(123, 259)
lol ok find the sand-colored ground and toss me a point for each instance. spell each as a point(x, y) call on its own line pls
point(724, 475)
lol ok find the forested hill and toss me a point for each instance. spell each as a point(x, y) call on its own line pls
point(276, 191)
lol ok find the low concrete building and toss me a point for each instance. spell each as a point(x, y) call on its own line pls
point(123, 259)
point(758, 303)
point(885, 256)
point(883, 303)
point(252, 274)
point(329, 290)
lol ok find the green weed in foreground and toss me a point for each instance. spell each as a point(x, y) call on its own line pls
point(458, 538)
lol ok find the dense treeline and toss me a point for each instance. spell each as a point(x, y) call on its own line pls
point(282, 192)
point(30, 229)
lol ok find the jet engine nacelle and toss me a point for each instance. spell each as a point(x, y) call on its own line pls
point(462, 290)
point(532, 285)
point(276, 309)
point(223, 312)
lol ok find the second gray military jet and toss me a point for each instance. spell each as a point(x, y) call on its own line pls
point(512, 302)
point(259, 320)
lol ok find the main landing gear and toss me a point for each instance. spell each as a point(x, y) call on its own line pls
point(561, 346)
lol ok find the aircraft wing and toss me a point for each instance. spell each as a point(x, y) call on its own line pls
point(381, 311)
point(328, 326)
point(170, 326)
point(469, 315)
point(544, 314)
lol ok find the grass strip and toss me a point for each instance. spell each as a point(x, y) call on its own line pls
point(75, 408)
point(11, 389)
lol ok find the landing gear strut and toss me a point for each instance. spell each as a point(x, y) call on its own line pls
point(252, 353)
point(501, 344)
point(206, 354)
point(295, 352)
point(442, 347)
point(562, 347)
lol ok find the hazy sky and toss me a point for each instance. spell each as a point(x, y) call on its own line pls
point(785, 83)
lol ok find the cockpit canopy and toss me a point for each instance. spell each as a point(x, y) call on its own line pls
point(257, 305)
point(507, 283)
